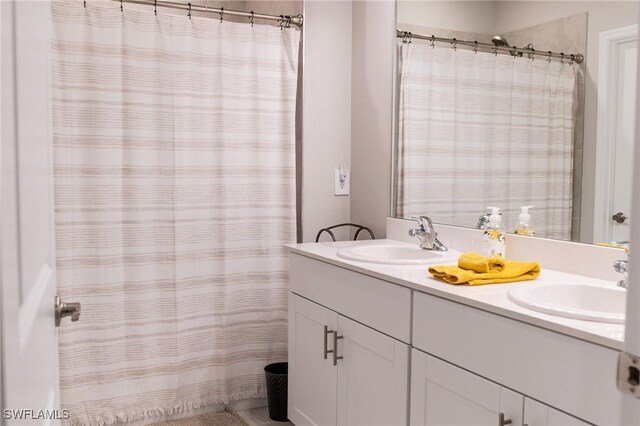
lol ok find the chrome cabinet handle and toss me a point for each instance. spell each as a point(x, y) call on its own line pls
point(619, 217)
point(326, 338)
point(335, 348)
point(502, 421)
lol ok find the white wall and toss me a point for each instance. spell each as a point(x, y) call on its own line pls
point(374, 41)
point(465, 16)
point(326, 110)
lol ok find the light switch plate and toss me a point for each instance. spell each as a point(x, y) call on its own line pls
point(342, 189)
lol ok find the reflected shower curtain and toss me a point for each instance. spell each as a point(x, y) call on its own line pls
point(478, 130)
point(174, 196)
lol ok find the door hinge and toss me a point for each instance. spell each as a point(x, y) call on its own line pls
point(629, 374)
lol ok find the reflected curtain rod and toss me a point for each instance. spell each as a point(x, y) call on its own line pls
point(285, 20)
point(533, 53)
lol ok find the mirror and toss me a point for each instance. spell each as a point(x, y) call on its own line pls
point(517, 103)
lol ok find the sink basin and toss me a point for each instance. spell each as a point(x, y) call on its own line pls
point(580, 301)
point(395, 255)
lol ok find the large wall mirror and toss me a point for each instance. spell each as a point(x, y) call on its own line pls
point(517, 103)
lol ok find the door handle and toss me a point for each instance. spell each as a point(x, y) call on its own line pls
point(66, 309)
point(326, 338)
point(619, 217)
point(502, 421)
point(335, 347)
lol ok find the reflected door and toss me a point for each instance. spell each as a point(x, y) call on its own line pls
point(617, 81)
point(625, 128)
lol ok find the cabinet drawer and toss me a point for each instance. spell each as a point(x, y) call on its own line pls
point(378, 304)
point(575, 376)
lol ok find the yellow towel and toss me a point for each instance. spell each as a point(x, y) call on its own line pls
point(511, 271)
point(481, 264)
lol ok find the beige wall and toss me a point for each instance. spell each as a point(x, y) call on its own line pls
point(326, 131)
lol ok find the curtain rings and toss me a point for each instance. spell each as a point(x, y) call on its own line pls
point(281, 21)
point(549, 57)
point(221, 14)
point(532, 55)
point(454, 44)
point(85, 4)
point(121, 7)
point(155, 7)
point(562, 58)
point(495, 51)
point(406, 37)
point(251, 18)
point(573, 57)
point(287, 21)
point(433, 41)
point(189, 11)
point(475, 46)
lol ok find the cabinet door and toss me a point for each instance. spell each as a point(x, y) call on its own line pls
point(538, 414)
point(373, 376)
point(443, 394)
point(312, 376)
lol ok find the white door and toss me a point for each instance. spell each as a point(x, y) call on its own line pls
point(312, 375)
point(30, 391)
point(626, 113)
point(443, 394)
point(617, 83)
point(538, 414)
point(373, 378)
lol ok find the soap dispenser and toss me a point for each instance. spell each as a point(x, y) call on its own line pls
point(525, 227)
point(493, 236)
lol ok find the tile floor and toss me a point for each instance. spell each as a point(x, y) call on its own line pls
point(259, 417)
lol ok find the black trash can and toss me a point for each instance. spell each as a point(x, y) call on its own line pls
point(277, 375)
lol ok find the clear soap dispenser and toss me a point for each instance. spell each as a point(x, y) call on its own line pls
point(493, 236)
point(525, 227)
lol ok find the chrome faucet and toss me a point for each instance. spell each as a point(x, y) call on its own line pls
point(622, 266)
point(427, 235)
point(483, 221)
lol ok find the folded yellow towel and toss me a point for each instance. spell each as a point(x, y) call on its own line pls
point(469, 265)
point(481, 264)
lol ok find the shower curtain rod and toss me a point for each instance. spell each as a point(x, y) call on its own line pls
point(285, 20)
point(407, 36)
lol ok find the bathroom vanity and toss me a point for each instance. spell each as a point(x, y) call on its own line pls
point(387, 345)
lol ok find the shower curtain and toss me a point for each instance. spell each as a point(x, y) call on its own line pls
point(174, 195)
point(478, 130)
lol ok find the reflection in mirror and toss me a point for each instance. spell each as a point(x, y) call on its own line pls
point(496, 106)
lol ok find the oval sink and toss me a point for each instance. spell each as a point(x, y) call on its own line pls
point(580, 301)
point(395, 255)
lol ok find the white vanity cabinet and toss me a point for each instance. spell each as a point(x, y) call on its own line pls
point(443, 394)
point(363, 350)
point(341, 371)
point(538, 414)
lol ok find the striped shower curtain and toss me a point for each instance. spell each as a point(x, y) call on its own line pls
point(478, 130)
point(174, 195)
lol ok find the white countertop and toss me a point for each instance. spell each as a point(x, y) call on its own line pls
point(491, 298)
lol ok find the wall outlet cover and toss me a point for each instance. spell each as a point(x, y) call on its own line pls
point(342, 186)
